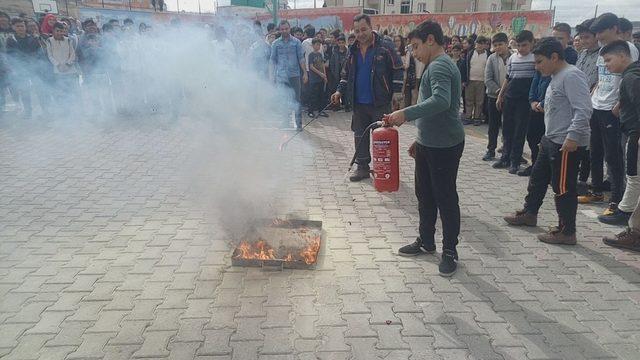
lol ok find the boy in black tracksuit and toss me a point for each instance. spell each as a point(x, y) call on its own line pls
point(513, 101)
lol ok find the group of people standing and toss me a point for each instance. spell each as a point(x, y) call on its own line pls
point(574, 109)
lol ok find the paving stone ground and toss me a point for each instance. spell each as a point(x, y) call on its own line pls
point(105, 254)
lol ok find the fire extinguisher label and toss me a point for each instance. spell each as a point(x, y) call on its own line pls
point(381, 152)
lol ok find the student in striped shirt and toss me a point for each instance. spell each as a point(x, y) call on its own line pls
point(513, 101)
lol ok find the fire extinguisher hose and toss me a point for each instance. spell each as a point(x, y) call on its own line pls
point(366, 131)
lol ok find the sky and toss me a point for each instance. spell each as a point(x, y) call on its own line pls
point(569, 11)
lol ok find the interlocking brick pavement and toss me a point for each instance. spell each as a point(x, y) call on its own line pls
point(106, 253)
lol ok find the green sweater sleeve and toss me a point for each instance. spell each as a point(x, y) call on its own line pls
point(438, 79)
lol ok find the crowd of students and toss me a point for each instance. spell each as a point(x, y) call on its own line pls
point(529, 89)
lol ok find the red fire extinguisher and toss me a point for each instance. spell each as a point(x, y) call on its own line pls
point(386, 159)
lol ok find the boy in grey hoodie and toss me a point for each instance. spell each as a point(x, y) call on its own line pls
point(566, 115)
point(495, 73)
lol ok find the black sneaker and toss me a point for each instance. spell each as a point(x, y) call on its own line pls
point(448, 264)
point(525, 172)
point(417, 248)
point(514, 169)
point(618, 217)
point(360, 173)
point(500, 164)
point(489, 156)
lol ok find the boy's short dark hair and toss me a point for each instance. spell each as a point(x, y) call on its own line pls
point(309, 31)
point(585, 27)
point(128, 21)
point(524, 36)
point(92, 37)
point(341, 38)
point(114, 21)
point(618, 47)
point(284, 22)
point(316, 41)
point(335, 33)
point(425, 29)
point(604, 22)
point(624, 25)
point(296, 29)
point(636, 35)
point(352, 36)
point(58, 25)
point(548, 46)
point(271, 27)
point(482, 40)
point(322, 29)
point(17, 21)
point(364, 17)
point(563, 27)
point(107, 27)
point(500, 37)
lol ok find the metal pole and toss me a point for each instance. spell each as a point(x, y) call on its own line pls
point(129, 5)
point(596, 14)
point(314, 4)
point(178, 5)
point(199, 10)
point(550, 4)
point(103, 4)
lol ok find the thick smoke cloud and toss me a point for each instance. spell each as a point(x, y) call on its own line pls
point(180, 79)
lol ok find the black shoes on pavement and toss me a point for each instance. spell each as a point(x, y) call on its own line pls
point(417, 248)
point(359, 174)
point(448, 262)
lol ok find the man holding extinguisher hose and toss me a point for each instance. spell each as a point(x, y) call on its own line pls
point(373, 76)
point(438, 146)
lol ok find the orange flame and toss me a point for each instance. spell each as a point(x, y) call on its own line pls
point(260, 250)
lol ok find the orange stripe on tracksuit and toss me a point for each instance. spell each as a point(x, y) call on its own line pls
point(562, 184)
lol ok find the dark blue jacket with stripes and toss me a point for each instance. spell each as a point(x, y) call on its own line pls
point(387, 71)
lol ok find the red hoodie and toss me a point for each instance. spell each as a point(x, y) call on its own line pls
point(45, 28)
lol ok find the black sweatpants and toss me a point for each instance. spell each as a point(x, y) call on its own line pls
point(316, 96)
point(535, 133)
point(515, 122)
point(560, 168)
point(363, 116)
point(605, 145)
point(495, 123)
point(435, 181)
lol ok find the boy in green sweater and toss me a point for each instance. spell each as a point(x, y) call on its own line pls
point(438, 147)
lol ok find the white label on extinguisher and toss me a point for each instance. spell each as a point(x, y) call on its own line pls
point(381, 153)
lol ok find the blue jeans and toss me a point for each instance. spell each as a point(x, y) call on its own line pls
point(294, 84)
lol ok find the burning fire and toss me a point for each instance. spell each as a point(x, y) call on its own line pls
point(260, 250)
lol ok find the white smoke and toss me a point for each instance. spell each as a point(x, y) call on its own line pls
point(176, 78)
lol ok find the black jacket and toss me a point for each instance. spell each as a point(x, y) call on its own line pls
point(22, 52)
point(387, 71)
point(630, 100)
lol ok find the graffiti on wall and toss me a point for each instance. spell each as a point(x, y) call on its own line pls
point(488, 23)
point(329, 18)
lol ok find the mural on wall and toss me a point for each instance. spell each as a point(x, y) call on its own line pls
point(488, 23)
point(104, 15)
point(328, 18)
